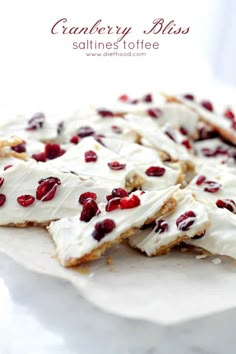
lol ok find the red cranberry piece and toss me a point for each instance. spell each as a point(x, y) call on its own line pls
point(161, 226)
point(221, 150)
point(227, 204)
point(36, 122)
point(90, 156)
point(89, 210)
point(130, 202)
point(209, 152)
point(74, 139)
point(123, 98)
point(98, 138)
point(85, 131)
point(187, 144)
point(212, 186)
point(26, 200)
point(47, 188)
point(229, 114)
point(155, 171)
point(200, 180)
point(135, 101)
point(41, 157)
point(103, 228)
point(207, 105)
point(186, 220)
point(154, 112)
point(189, 96)
point(233, 125)
point(116, 129)
point(207, 133)
point(52, 151)
point(105, 113)
point(87, 195)
point(19, 148)
point(113, 204)
point(2, 199)
point(116, 166)
point(183, 130)
point(147, 98)
point(1, 181)
point(118, 193)
point(7, 166)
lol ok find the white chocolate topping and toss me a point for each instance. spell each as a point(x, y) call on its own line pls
point(73, 237)
point(74, 160)
point(23, 178)
point(151, 242)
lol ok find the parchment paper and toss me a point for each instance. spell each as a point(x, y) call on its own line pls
point(165, 289)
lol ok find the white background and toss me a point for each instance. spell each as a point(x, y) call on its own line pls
point(41, 71)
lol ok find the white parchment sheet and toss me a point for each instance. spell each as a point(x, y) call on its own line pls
point(164, 289)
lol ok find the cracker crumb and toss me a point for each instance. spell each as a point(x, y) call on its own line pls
point(201, 256)
point(109, 260)
point(216, 260)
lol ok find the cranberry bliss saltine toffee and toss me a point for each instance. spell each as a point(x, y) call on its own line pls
point(91, 159)
point(155, 174)
point(33, 193)
point(190, 218)
point(78, 241)
point(220, 236)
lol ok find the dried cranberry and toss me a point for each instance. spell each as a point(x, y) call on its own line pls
point(98, 138)
point(113, 204)
point(47, 188)
point(19, 148)
point(212, 186)
point(26, 200)
point(2, 199)
point(189, 96)
point(155, 171)
point(39, 157)
point(74, 139)
point(85, 131)
point(36, 122)
point(87, 195)
point(117, 193)
point(183, 130)
point(103, 228)
point(52, 151)
point(207, 133)
point(154, 112)
point(227, 204)
point(130, 202)
point(90, 156)
point(209, 152)
point(1, 181)
point(186, 220)
point(123, 98)
point(116, 166)
point(105, 113)
point(7, 166)
point(135, 101)
point(200, 180)
point(207, 105)
point(229, 114)
point(161, 226)
point(89, 210)
point(187, 144)
point(147, 98)
point(116, 129)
